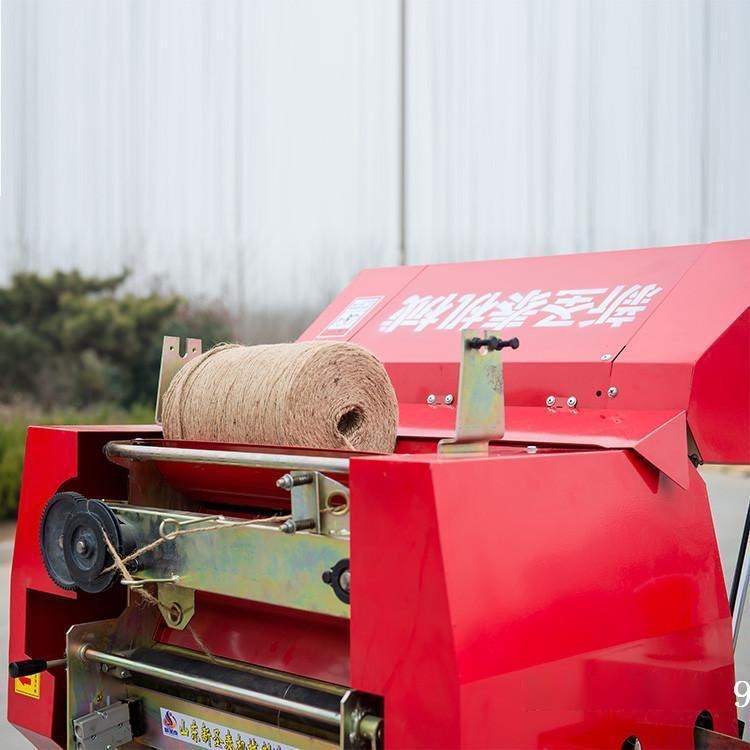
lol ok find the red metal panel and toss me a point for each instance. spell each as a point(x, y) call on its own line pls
point(548, 600)
point(643, 321)
point(40, 612)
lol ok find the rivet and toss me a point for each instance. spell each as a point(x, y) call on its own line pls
point(551, 400)
point(572, 401)
point(530, 449)
point(612, 392)
point(449, 399)
point(605, 357)
point(431, 398)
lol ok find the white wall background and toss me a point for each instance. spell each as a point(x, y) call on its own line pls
point(250, 150)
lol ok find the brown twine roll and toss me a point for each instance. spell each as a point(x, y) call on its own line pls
point(309, 394)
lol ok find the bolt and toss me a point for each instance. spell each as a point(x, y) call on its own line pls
point(431, 398)
point(572, 401)
point(449, 399)
point(345, 580)
point(551, 400)
point(612, 392)
point(327, 577)
point(291, 526)
point(81, 547)
point(287, 481)
point(605, 357)
point(105, 668)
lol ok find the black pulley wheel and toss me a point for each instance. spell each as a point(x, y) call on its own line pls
point(56, 512)
point(85, 550)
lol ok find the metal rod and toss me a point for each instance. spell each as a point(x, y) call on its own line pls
point(740, 561)
point(739, 605)
point(218, 688)
point(134, 452)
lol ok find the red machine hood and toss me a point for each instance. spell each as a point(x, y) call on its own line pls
point(642, 339)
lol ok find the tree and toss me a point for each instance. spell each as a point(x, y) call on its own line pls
point(71, 340)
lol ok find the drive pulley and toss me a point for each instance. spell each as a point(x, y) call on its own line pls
point(73, 545)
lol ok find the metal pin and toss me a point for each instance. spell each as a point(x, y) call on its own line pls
point(170, 535)
point(137, 583)
point(291, 526)
point(287, 481)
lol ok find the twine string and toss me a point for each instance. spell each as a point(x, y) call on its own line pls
point(315, 394)
point(120, 563)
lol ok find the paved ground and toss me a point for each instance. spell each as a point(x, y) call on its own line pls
point(729, 494)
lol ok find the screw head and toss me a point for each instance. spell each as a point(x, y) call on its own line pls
point(551, 400)
point(345, 580)
point(572, 401)
point(431, 398)
point(612, 391)
point(605, 357)
point(449, 399)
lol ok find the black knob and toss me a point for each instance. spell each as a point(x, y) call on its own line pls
point(26, 667)
point(493, 343)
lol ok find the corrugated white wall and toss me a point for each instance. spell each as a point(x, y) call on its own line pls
point(249, 151)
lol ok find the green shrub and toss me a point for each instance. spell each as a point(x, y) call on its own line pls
point(68, 342)
point(14, 422)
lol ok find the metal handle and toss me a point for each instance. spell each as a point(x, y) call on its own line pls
point(28, 667)
point(218, 688)
point(136, 452)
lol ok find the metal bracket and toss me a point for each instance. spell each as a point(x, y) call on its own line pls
point(319, 504)
point(480, 410)
point(176, 604)
point(106, 727)
point(171, 362)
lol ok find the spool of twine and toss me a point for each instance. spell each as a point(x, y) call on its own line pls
point(309, 394)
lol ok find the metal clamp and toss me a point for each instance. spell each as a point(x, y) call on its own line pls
point(480, 413)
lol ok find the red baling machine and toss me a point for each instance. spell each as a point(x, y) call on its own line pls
point(535, 566)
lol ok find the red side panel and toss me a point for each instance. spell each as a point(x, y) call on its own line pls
point(556, 600)
point(40, 612)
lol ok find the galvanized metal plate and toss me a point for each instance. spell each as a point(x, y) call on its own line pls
point(480, 410)
point(171, 362)
point(89, 687)
point(259, 563)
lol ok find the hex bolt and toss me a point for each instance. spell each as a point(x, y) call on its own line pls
point(287, 481)
point(612, 391)
point(431, 399)
point(81, 547)
point(291, 526)
point(551, 400)
point(572, 401)
point(449, 399)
